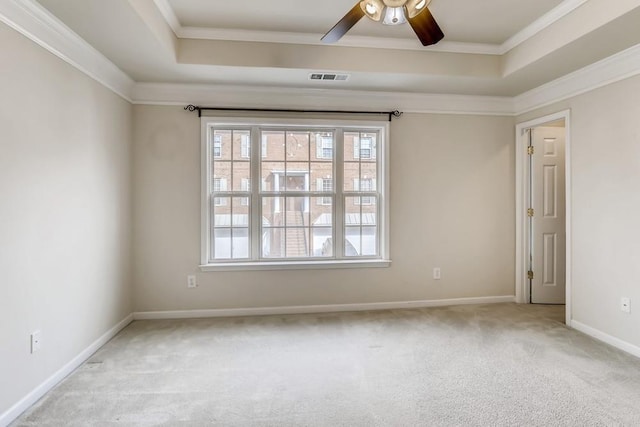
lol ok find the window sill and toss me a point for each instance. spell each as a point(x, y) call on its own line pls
point(296, 265)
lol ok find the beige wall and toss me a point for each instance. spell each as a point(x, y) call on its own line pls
point(605, 173)
point(65, 209)
point(452, 206)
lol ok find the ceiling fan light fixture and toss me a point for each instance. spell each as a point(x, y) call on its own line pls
point(372, 8)
point(394, 16)
point(415, 7)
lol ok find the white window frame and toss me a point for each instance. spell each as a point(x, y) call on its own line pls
point(338, 260)
point(221, 183)
point(245, 151)
point(357, 185)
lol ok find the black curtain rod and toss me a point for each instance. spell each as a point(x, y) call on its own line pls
point(391, 114)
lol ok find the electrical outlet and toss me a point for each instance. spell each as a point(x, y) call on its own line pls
point(36, 341)
point(625, 304)
point(191, 281)
point(436, 273)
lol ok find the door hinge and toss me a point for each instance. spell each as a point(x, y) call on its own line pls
point(530, 212)
point(530, 150)
point(530, 275)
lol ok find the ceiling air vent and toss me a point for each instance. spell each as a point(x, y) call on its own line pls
point(328, 76)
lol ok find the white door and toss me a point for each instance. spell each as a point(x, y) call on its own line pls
point(547, 220)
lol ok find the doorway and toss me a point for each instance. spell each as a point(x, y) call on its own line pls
point(543, 274)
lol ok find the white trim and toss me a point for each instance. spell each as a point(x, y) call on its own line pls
point(229, 34)
point(36, 23)
point(617, 67)
point(606, 338)
point(23, 404)
point(522, 288)
point(169, 15)
point(284, 97)
point(256, 262)
point(305, 309)
point(540, 24)
point(297, 265)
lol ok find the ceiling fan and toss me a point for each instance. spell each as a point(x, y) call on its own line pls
point(391, 12)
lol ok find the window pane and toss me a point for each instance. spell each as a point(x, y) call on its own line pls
point(351, 176)
point(240, 214)
point(222, 211)
point(352, 241)
point(368, 147)
point(297, 211)
point(297, 146)
point(351, 146)
point(297, 176)
point(361, 232)
point(272, 208)
point(352, 208)
point(221, 176)
point(273, 243)
point(241, 145)
point(368, 173)
point(322, 243)
point(222, 243)
point(297, 242)
point(322, 211)
point(240, 243)
point(273, 141)
point(221, 148)
point(273, 176)
point(369, 210)
point(369, 241)
point(322, 172)
point(241, 175)
point(322, 146)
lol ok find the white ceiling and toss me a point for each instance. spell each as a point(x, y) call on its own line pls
point(471, 21)
point(491, 47)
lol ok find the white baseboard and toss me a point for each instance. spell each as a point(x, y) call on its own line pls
point(304, 309)
point(606, 338)
point(16, 410)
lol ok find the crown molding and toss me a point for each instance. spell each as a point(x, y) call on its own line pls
point(546, 20)
point(169, 15)
point(227, 34)
point(32, 20)
point(346, 41)
point(301, 98)
point(617, 67)
point(36, 23)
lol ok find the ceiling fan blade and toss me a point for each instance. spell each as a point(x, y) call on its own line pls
point(426, 28)
point(344, 25)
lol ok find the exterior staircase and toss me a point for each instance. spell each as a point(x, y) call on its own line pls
point(296, 238)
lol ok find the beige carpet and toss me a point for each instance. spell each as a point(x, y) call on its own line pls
point(489, 365)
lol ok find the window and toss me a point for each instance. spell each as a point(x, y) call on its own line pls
point(245, 147)
point(324, 185)
point(217, 146)
point(320, 198)
point(365, 185)
point(219, 186)
point(324, 147)
point(364, 147)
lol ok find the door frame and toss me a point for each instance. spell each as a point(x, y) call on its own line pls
point(522, 197)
